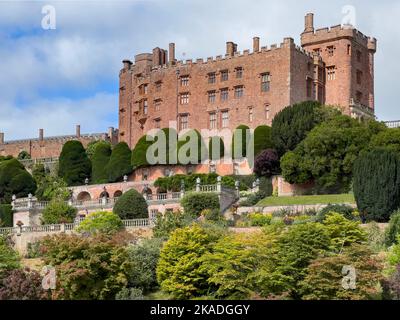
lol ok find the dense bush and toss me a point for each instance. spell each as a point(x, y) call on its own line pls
point(24, 155)
point(343, 209)
point(9, 259)
point(58, 211)
point(52, 188)
point(130, 294)
point(241, 140)
point(388, 139)
point(266, 163)
point(375, 237)
point(393, 229)
point(74, 164)
point(260, 219)
point(377, 184)
point(194, 203)
point(262, 139)
point(6, 216)
point(91, 147)
point(131, 205)
point(216, 148)
point(139, 153)
point(168, 222)
point(100, 222)
point(100, 159)
point(120, 162)
point(39, 172)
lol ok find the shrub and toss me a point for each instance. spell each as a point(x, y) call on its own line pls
point(91, 147)
point(377, 184)
point(325, 276)
point(168, 222)
point(266, 163)
point(6, 215)
point(52, 188)
point(262, 139)
point(22, 284)
point(242, 132)
point(100, 159)
point(58, 212)
point(212, 215)
point(39, 172)
point(194, 203)
point(130, 294)
point(393, 229)
point(375, 237)
point(216, 142)
point(252, 199)
point(24, 155)
point(343, 209)
point(139, 158)
point(391, 286)
point(9, 259)
point(120, 162)
point(100, 222)
point(74, 164)
point(259, 219)
point(131, 205)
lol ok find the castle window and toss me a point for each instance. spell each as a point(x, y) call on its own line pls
point(224, 94)
point(213, 120)
point(330, 50)
point(267, 111)
point(359, 76)
point(143, 89)
point(145, 107)
point(158, 86)
point(157, 123)
point(157, 104)
point(183, 122)
point(309, 87)
point(224, 75)
point(225, 119)
point(317, 51)
point(349, 49)
point(211, 96)
point(359, 55)
point(239, 72)
point(251, 114)
point(239, 90)
point(358, 96)
point(184, 98)
point(184, 81)
point(211, 77)
point(265, 82)
point(331, 73)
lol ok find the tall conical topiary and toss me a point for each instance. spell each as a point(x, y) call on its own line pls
point(139, 153)
point(74, 164)
point(120, 162)
point(262, 139)
point(100, 159)
point(376, 184)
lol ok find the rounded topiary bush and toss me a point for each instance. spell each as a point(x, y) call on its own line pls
point(100, 222)
point(194, 203)
point(345, 210)
point(131, 205)
point(58, 211)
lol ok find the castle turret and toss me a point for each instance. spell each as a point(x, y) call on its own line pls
point(256, 44)
point(309, 23)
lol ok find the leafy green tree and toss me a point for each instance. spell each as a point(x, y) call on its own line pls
point(100, 222)
point(214, 154)
point(266, 163)
point(6, 215)
point(74, 164)
point(100, 159)
point(262, 139)
point(39, 173)
point(388, 139)
point(9, 259)
point(168, 222)
point(120, 162)
point(91, 147)
point(324, 276)
point(131, 205)
point(58, 211)
point(52, 188)
point(377, 184)
point(194, 203)
point(393, 230)
point(328, 153)
point(24, 155)
point(241, 138)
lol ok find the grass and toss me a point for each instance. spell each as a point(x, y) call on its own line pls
point(305, 200)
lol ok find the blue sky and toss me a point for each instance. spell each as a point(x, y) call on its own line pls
point(54, 79)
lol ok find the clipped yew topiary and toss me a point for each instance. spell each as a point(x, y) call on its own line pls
point(100, 159)
point(139, 153)
point(74, 164)
point(120, 162)
point(131, 205)
point(377, 184)
point(262, 139)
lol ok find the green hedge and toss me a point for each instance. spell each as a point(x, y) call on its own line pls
point(131, 205)
point(262, 139)
point(194, 203)
point(6, 216)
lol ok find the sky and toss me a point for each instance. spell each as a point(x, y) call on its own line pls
point(57, 78)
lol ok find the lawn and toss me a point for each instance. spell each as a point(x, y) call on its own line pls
point(303, 200)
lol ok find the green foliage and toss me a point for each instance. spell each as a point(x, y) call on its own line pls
point(131, 205)
point(343, 209)
point(327, 154)
point(9, 259)
point(292, 124)
point(91, 147)
point(139, 158)
point(39, 172)
point(394, 255)
point(343, 232)
point(393, 229)
point(259, 219)
point(168, 222)
point(375, 237)
point(120, 162)
point(241, 135)
point(191, 138)
point(100, 222)
point(262, 139)
point(24, 155)
point(179, 269)
point(212, 215)
point(324, 276)
point(212, 152)
point(6, 216)
point(144, 258)
point(14, 180)
point(194, 203)
point(100, 158)
point(52, 188)
point(58, 211)
point(388, 139)
point(88, 268)
point(74, 164)
point(130, 294)
point(377, 184)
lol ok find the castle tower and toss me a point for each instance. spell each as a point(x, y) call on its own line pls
point(349, 66)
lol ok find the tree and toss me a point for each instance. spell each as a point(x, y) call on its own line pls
point(58, 211)
point(39, 172)
point(6, 215)
point(213, 152)
point(131, 205)
point(139, 158)
point(377, 184)
point(168, 222)
point(241, 139)
point(9, 259)
point(393, 230)
point(52, 188)
point(292, 124)
point(14, 180)
point(262, 139)
point(91, 147)
point(74, 164)
point(120, 162)
point(195, 202)
point(325, 278)
point(388, 139)
point(100, 222)
point(100, 158)
point(24, 155)
point(266, 163)
point(328, 153)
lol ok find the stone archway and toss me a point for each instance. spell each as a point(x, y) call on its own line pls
point(104, 194)
point(117, 194)
point(84, 196)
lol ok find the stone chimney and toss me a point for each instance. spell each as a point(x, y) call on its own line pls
point(78, 130)
point(171, 53)
point(231, 48)
point(41, 134)
point(1, 137)
point(256, 44)
point(309, 23)
point(156, 57)
point(127, 64)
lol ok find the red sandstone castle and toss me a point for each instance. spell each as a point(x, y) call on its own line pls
point(333, 65)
